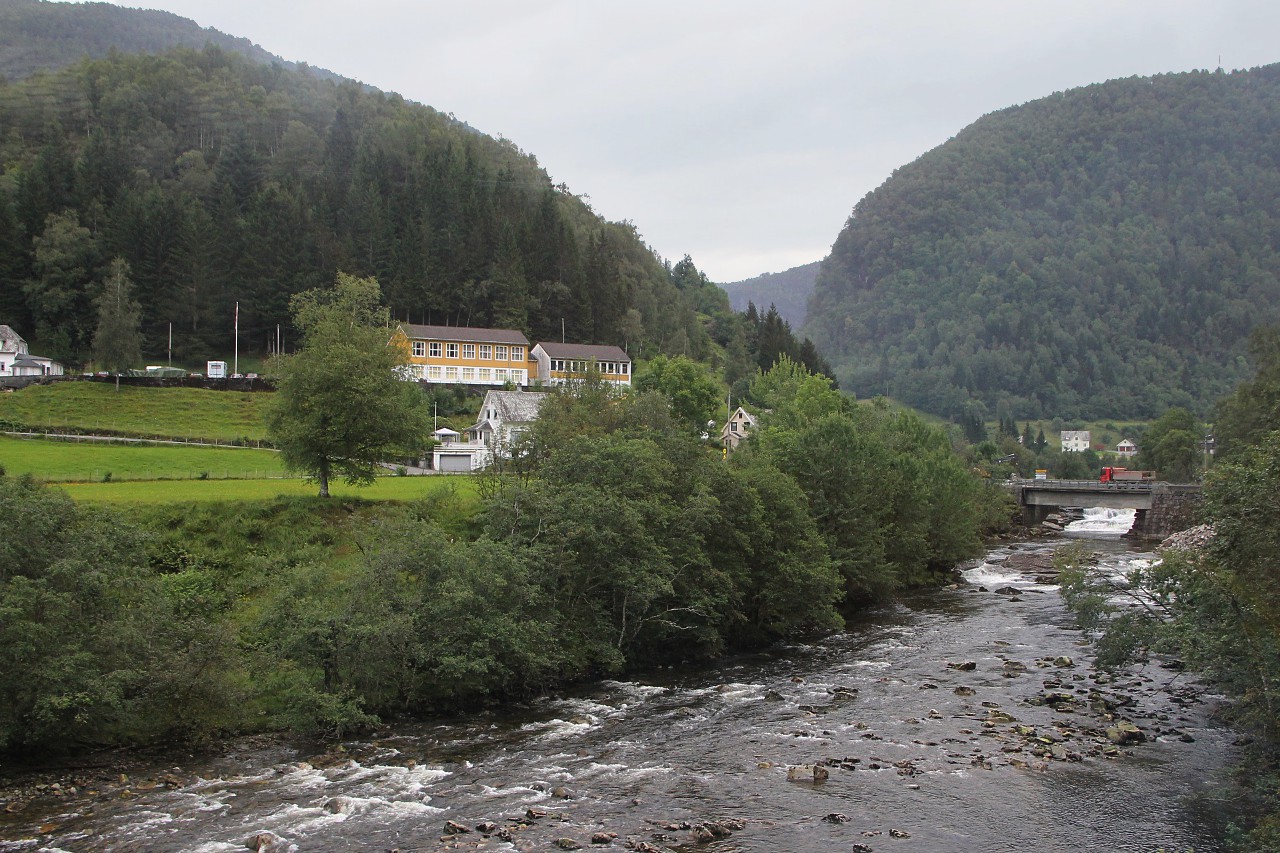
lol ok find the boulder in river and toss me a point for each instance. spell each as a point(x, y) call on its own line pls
point(1125, 732)
point(268, 842)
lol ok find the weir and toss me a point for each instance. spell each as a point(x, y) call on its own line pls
point(1162, 509)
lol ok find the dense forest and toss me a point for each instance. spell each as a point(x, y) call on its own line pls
point(38, 35)
point(1100, 252)
point(788, 290)
point(221, 182)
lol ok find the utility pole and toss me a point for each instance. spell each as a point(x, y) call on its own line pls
point(235, 364)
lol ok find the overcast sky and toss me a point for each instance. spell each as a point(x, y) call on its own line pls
point(741, 133)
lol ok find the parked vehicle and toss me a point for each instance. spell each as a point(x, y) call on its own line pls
point(1124, 475)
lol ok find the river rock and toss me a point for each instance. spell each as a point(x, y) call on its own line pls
point(603, 837)
point(836, 817)
point(568, 844)
point(807, 773)
point(1125, 732)
point(964, 691)
point(268, 842)
point(452, 827)
point(967, 666)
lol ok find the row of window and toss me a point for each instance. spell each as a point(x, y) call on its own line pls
point(497, 375)
point(487, 352)
point(610, 368)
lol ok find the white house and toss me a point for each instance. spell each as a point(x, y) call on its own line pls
point(504, 416)
point(15, 360)
point(1127, 449)
point(561, 363)
point(735, 430)
point(1075, 440)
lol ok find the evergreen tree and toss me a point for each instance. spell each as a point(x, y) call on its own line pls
point(117, 342)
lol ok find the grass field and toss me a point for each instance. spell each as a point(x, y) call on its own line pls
point(149, 412)
point(62, 461)
point(186, 491)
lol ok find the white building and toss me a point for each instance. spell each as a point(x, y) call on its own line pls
point(1127, 449)
point(561, 363)
point(504, 417)
point(1075, 440)
point(735, 430)
point(15, 360)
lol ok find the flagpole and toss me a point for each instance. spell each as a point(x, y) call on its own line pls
point(235, 364)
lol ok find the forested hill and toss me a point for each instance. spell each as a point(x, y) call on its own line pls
point(37, 35)
point(789, 290)
point(222, 181)
point(1100, 252)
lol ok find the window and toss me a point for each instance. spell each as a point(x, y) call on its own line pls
point(433, 372)
point(468, 374)
point(518, 377)
point(435, 349)
point(501, 374)
point(517, 353)
point(485, 374)
point(733, 426)
point(419, 349)
point(486, 352)
point(625, 367)
point(469, 351)
point(450, 350)
point(451, 373)
point(500, 353)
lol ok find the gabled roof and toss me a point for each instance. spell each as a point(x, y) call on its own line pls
point(10, 341)
point(746, 416)
point(513, 407)
point(464, 333)
point(584, 351)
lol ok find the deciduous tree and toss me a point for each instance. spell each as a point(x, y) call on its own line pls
point(341, 407)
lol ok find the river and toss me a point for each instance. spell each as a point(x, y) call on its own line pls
point(958, 720)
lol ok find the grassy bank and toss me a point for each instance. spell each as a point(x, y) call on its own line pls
point(210, 491)
point(144, 412)
point(70, 461)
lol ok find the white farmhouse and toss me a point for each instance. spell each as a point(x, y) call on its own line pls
point(15, 360)
point(504, 416)
point(1075, 440)
point(736, 428)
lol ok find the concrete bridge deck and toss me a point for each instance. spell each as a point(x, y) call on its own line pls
point(1162, 509)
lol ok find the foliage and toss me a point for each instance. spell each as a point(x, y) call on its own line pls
point(222, 182)
point(340, 408)
point(1171, 446)
point(1216, 609)
point(1253, 409)
point(694, 396)
point(1102, 252)
point(117, 342)
point(789, 290)
point(892, 501)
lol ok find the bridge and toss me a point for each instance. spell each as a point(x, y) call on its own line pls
point(1162, 509)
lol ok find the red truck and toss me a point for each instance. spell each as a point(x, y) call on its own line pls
point(1124, 475)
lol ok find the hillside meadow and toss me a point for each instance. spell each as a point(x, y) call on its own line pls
point(57, 461)
point(187, 413)
point(461, 489)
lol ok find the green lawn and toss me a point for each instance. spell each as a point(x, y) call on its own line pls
point(183, 491)
point(146, 412)
point(60, 461)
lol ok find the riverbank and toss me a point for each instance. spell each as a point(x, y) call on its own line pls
point(958, 720)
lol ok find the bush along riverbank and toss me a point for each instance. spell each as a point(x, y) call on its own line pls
point(1213, 599)
point(615, 540)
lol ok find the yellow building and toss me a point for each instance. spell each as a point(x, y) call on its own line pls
point(459, 355)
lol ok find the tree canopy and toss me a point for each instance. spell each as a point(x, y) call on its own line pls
point(1102, 252)
point(341, 408)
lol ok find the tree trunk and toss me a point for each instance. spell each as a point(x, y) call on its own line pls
point(324, 479)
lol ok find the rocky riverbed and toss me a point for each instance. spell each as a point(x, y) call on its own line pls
point(966, 719)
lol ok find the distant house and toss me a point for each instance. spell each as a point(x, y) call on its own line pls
point(735, 430)
point(15, 360)
point(461, 355)
point(504, 417)
point(561, 363)
point(1127, 449)
point(1075, 440)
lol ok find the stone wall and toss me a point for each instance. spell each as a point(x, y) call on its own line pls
point(1173, 508)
